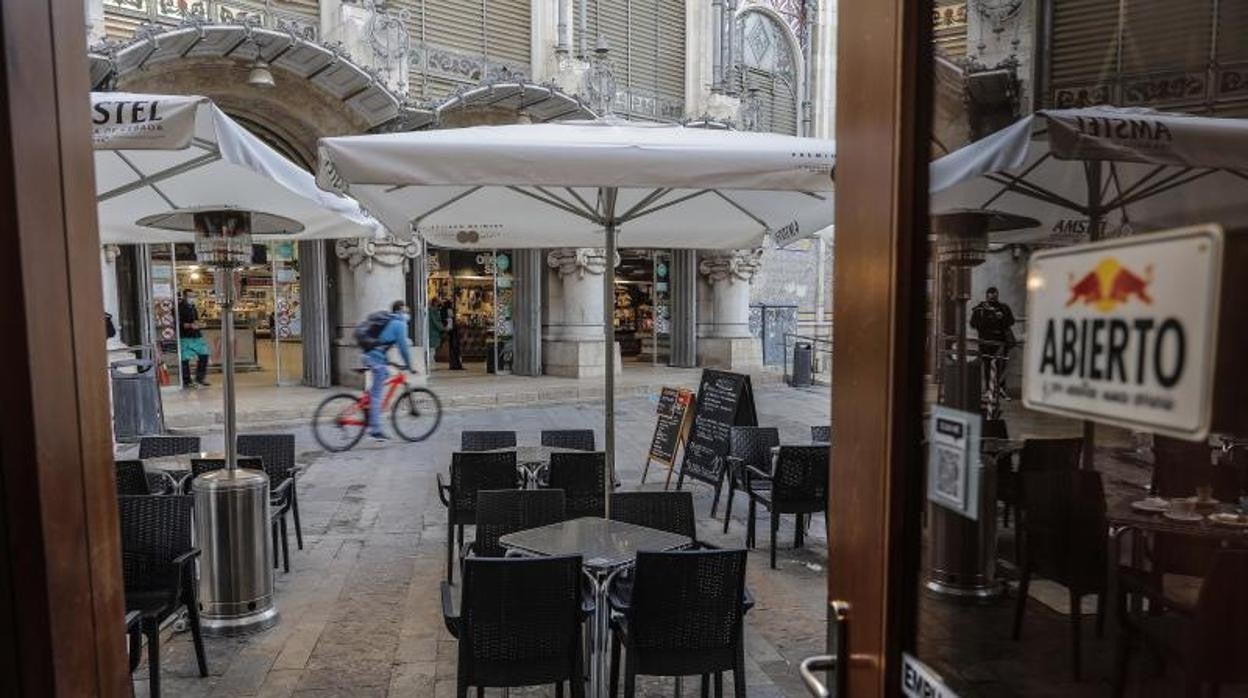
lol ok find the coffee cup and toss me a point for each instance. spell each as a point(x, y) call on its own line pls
point(1183, 505)
point(1204, 493)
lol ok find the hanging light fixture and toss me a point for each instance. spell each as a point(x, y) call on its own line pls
point(599, 82)
point(260, 75)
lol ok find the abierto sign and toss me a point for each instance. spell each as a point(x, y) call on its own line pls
point(1125, 332)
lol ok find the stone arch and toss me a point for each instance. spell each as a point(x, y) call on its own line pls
point(318, 90)
point(785, 55)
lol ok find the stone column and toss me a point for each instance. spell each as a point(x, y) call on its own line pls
point(684, 284)
point(377, 280)
point(726, 342)
point(112, 304)
point(527, 312)
point(573, 344)
point(314, 299)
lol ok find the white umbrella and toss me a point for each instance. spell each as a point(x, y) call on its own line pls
point(158, 154)
point(578, 184)
point(1103, 170)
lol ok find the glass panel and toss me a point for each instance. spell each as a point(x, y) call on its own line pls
point(505, 296)
point(165, 308)
point(286, 316)
point(1050, 545)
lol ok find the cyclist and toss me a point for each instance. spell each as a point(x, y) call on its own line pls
point(379, 332)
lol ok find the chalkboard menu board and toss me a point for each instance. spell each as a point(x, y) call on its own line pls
point(724, 400)
point(669, 429)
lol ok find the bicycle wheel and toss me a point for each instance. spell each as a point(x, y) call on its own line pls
point(338, 423)
point(416, 414)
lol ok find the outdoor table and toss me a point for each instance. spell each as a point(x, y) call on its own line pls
point(178, 467)
point(1123, 519)
point(606, 547)
point(531, 460)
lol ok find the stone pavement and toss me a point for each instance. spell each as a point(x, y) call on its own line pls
point(360, 608)
point(261, 402)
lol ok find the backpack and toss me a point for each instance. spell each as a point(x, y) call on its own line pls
point(368, 333)
point(110, 330)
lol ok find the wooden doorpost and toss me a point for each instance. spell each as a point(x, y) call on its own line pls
point(61, 603)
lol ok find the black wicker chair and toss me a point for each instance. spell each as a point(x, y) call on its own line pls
point(486, 440)
point(683, 615)
point(582, 477)
point(500, 512)
point(278, 453)
point(471, 473)
point(519, 624)
point(748, 446)
point(821, 433)
point(580, 439)
point(1064, 540)
point(798, 485)
point(161, 446)
point(132, 478)
point(157, 565)
point(664, 511)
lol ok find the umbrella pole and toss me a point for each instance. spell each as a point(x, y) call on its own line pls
point(608, 326)
point(1092, 170)
point(227, 367)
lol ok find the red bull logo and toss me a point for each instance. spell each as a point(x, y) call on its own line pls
point(1109, 285)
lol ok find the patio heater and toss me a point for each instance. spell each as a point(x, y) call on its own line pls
point(964, 551)
point(231, 505)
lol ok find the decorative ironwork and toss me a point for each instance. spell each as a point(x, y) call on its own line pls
point(162, 14)
point(386, 34)
point(599, 85)
point(792, 12)
point(949, 17)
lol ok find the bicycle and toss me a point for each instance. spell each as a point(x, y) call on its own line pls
point(340, 420)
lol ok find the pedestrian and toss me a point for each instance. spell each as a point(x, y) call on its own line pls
point(437, 329)
point(452, 328)
point(191, 344)
point(376, 335)
point(993, 322)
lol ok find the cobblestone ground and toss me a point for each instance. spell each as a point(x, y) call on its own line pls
point(360, 607)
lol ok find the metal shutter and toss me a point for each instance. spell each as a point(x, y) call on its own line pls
point(457, 24)
point(120, 26)
point(647, 42)
point(485, 32)
point(508, 27)
point(1085, 42)
point(1166, 35)
point(1232, 31)
point(779, 104)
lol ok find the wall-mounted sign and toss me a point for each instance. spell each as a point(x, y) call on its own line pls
point(953, 470)
point(919, 681)
point(1124, 332)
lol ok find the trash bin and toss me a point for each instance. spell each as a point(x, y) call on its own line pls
point(803, 354)
point(136, 399)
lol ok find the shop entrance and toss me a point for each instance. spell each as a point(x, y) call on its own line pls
point(268, 316)
point(642, 308)
point(472, 295)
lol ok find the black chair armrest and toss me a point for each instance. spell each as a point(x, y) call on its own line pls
point(282, 492)
point(444, 492)
point(748, 601)
point(186, 557)
point(750, 474)
point(449, 616)
point(620, 593)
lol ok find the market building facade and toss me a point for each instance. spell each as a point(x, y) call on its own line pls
point(293, 72)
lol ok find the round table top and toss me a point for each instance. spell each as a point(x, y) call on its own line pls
point(182, 461)
point(535, 455)
point(1120, 514)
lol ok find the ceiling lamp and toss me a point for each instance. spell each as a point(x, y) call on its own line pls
point(260, 75)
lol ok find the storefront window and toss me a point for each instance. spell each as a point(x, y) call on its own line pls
point(478, 286)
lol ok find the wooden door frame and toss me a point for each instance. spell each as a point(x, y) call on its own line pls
point(61, 592)
point(884, 86)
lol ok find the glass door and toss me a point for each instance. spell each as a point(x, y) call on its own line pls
point(286, 314)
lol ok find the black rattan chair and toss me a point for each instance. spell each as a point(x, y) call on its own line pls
point(665, 511)
point(500, 512)
point(157, 565)
point(161, 446)
point(580, 439)
point(486, 440)
point(582, 477)
point(821, 433)
point(519, 624)
point(471, 473)
point(278, 453)
point(1037, 456)
point(1064, 540)
point(798, 485)
point(132, 478)
point(682, 616)
point(748, 446)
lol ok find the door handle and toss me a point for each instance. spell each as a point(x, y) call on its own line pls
point(838, 662)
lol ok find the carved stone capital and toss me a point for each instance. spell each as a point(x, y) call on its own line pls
point(387, 252)
point(579, 261)
point(731, 265)
point(110, 252)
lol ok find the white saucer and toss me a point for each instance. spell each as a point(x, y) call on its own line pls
point(1154, 505)
point(1185, 517)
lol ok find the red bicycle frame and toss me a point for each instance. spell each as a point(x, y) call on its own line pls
point(357, 414)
